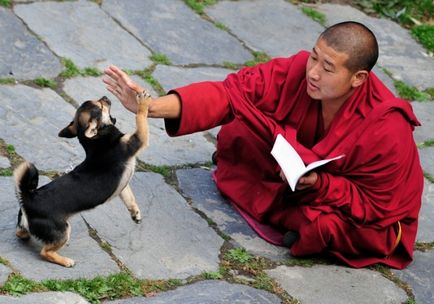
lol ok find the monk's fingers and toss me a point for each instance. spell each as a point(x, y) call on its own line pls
point(109, 81)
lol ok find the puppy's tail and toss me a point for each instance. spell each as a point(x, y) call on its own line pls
point(26, 180)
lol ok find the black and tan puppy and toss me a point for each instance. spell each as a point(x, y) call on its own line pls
point(104, 174)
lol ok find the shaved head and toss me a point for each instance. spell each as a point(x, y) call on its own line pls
point(355, 40)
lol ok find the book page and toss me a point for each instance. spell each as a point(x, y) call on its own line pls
point(291, 163)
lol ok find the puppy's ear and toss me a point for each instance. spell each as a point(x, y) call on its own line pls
point(69, 131)
point(92, 128)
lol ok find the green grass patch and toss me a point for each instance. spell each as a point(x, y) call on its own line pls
point(4, 261)
point(14, 158)
point(17, 285)
point(429, 177)
point(231, 66)
point(214, 275)
point(199, 5)
point(94, 72)
point(120, 285)
point(112, 287)
point(263, 281)
point(45, 83)
point(6, 3)
point(160, 59)
point(425, 35)
point(6, 172)
point(430, 91)
point(152, 287)
point(238, 255)
point(71, 70)
point(301, 262)
point(259, 57)
point(421, 246)
point(314, 15)
point(221, 26)
point(402, 11)
point(415, 15)
point(147, 76)
point(427, 143)
point(166, 171)
point(408, 92)
point(7, 81)
point(10, 149)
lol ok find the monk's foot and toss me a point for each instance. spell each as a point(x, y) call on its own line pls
point(289, 239)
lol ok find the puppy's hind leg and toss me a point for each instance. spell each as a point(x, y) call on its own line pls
point(49, 251)
point(22, 230)
point(127, 196)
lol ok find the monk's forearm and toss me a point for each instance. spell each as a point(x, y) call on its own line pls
point(168, 106)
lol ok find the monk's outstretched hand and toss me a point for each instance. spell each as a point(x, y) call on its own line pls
point(121, 85)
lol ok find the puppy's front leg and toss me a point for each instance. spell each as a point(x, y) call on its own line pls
point(142, 132)
point(127, 196)
point(139, 139)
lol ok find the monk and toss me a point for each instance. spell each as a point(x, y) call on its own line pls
point(361, 209)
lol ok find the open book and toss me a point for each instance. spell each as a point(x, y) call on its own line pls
point(291, 163)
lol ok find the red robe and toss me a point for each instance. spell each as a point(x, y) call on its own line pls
point(354, 208)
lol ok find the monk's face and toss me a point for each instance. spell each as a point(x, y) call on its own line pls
point(327, 77)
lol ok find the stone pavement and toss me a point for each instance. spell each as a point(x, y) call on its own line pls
point(186, 223)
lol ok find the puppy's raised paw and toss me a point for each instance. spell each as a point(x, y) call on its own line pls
point(143, 97)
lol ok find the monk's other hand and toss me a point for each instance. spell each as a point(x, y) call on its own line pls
point(307, 181)
point(282, 175)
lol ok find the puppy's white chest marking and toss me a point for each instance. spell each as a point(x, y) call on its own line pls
point(126, 177)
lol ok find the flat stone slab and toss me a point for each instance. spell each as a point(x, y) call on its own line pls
point(45, 298)
point(425, 113)
point(4, 162)
point(386, 79)
point(425, 232)
point(275, 27)
point(4, 274)
point(30, 120)
point(171, 77)
point(162, 150)
point(420, 276)
point(335, 285)
point(400, 54)
point(173, 29)
point(172, 241)
point(88, 36)
point(197, 184)
point(427, 160)
point(23, 256)
point(208, 292)
point(23, 56)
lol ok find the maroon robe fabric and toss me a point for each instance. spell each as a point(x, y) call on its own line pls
point(354, 208)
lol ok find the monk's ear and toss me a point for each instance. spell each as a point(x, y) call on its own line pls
point(359, 78)
point(92, 128)
point(69, 131)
